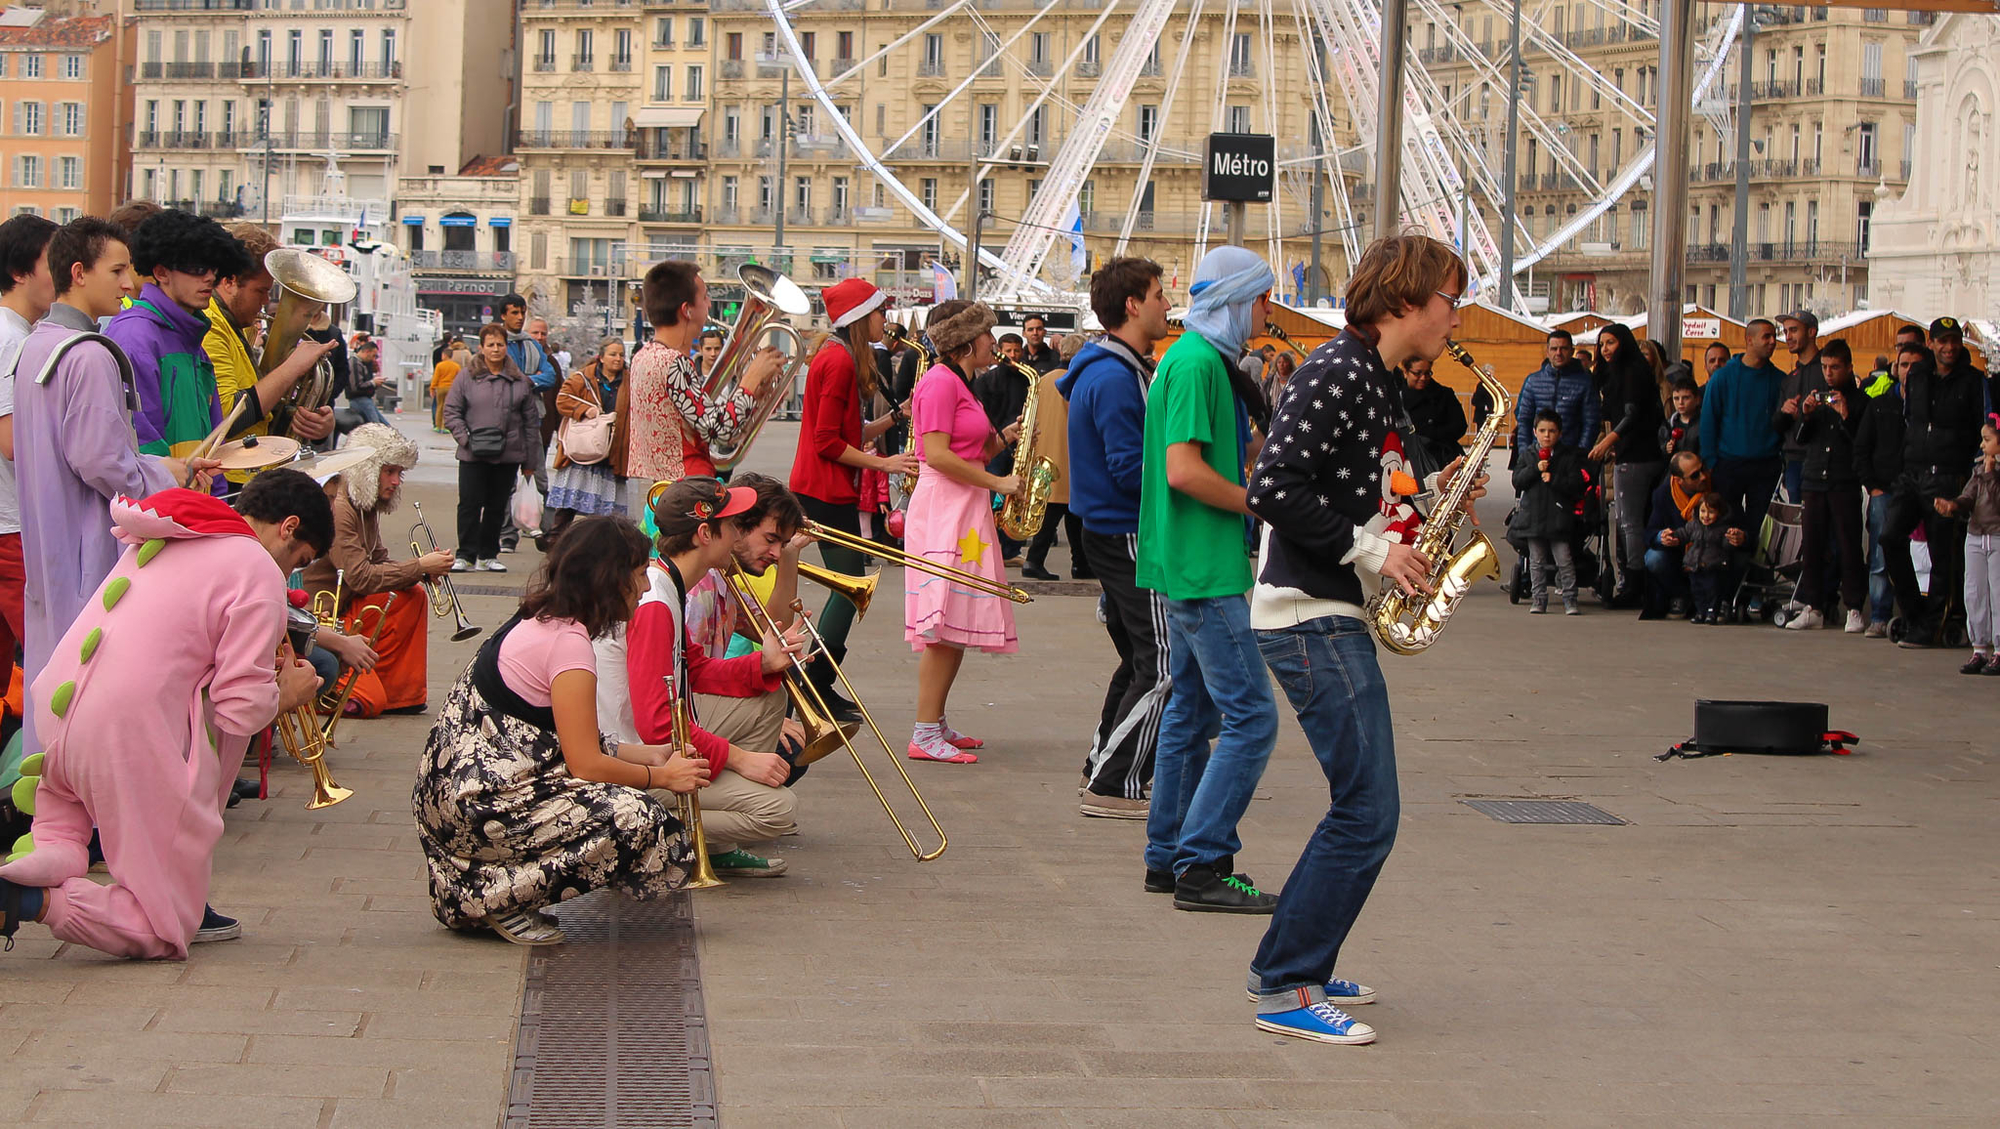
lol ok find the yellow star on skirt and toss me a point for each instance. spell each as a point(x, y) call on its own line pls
point(971, 547)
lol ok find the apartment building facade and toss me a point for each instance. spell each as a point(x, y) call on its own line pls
point(1832, 125)
point(60, 108)
point(240, 104)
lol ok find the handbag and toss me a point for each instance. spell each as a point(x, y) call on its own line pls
point(587, 441)
point(487, 444)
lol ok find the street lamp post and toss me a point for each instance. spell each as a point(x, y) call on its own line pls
point(1014, 160)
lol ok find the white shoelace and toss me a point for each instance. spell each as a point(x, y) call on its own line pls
point(1329, 1014)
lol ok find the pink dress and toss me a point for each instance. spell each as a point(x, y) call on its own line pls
point(952, 523)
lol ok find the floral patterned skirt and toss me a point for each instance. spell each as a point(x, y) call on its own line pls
point(504, 826)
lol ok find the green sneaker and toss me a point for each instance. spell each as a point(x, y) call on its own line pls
point(743, 864)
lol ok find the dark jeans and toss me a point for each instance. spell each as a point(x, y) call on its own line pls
point(1328, 671)
point(837, 617)
point(1663, 569)
point(1795, 477)
point(1881, 594)
point(1045, 538)
point(1120, 761)
point(483, 491)
point(1221, 692)
point(1634, 483)
point(1708, 586)
point(1909, 508)
point(1748, 485)
point(1832, 523)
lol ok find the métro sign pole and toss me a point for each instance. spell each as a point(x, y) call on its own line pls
point(1239, 169)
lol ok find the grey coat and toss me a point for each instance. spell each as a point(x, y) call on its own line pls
point(504, 400)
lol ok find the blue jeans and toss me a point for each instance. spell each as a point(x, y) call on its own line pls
point(1795, 478)
point(1881, 594)
point(366, 408)
point(1664, 566)
point(1220, 691)
point(1328, 670)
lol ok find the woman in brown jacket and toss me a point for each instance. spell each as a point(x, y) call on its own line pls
point(596, 387)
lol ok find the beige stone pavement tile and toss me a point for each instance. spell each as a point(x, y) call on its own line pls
point(249, 1079)
point(56, 1017)
point(1122, 1093)
point(175, 1047)
point(202, 1111)
point(378, 1113)
point(492, 1030)
point(259, 1022)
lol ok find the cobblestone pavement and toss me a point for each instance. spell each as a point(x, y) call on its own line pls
point(1769, 941)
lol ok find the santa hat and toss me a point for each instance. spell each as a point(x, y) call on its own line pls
point(850, 300)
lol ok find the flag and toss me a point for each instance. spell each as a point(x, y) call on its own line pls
point(943, 286)
point(1076, 256)
point(1299, 280)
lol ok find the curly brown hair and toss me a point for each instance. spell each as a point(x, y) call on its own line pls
point(588, 574)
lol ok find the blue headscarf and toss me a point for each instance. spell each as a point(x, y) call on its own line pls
point(1226, 282)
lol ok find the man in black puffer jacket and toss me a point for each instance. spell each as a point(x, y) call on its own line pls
point(1943, 400)
point(1878, 459)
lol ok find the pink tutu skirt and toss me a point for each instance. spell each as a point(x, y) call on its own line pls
point(952, 523)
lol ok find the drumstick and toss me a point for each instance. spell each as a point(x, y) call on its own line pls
point(206, 448)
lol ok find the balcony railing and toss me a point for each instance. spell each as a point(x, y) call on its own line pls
point(320, 72)
point(1242, 68)
point(575, 139)
point(1871, 87)
point(657, 215)
point(1764, 91)
point(1905, 169)
point(1910, 85)
point(313, 139)
point(838, 216)
point(621, 65)
point(193, 5)
point(225, 70)
point(729, 68)
point(538, 206)
point(545, 63)
point(190, 139)
point(1442, 53)
point(799, 216)
point(728, 214)
point(651, 149)
point(1868, 168)
point(930, 68)
point(614, 207)
point(1089, 68)
point(1792, 251)
point(1041, 67)
point(582, 62)
point(463, 260)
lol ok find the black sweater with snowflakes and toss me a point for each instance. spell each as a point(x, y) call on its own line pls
point(1323, 483)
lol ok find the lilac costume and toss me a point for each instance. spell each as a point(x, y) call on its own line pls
point(74, 451)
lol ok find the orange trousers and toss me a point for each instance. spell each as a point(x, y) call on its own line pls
point(398, 679)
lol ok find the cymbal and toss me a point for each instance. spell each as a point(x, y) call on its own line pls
point(326, 466)
point(255, 452)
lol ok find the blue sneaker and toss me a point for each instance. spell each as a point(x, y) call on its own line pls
point(215, 927)
point(1321, 1022)
point(1343, 992)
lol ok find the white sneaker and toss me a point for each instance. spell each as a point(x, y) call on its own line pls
point(1805, 621)
point(491, 566)
point(1856, 624)
point(460, 564)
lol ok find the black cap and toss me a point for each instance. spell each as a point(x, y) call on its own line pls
point(1947, 325)
point(1804, 317)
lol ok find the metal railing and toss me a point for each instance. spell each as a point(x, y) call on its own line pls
point(727, 68)
point(656, 215)
point(1794, 251)
point(328, 72)
point(1088, 68)
point(193, 5)
point(614, 207)
point(651, 149)
point(1868, 168)
point(463, 260)
point(1871, 87)
point(545, 63)
point(1910, 88)
point(575, 139)
point(1905, 173)
point(538, 206)
point(317, 140)
point(224, 71)
point(582, 62)
point(1772, 90)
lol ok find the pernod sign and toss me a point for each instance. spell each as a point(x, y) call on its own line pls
point(1239, 167)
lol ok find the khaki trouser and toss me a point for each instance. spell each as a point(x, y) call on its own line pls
point(736, 810)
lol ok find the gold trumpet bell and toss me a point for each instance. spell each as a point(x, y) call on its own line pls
point(859, 590)
point(703, 877)
point(299, 733)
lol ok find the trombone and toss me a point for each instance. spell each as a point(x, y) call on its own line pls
point(813, 706)
point(957, 575)
point(444, 598)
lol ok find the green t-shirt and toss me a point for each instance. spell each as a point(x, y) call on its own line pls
point(1190, 550)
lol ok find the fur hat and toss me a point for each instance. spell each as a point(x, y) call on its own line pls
point(364, 480)
point(961, 328)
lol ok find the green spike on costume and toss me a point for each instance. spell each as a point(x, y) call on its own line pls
point(150, 550)
point(90, 643)
point(115, 591)
point(59, 701)
point(23, 847)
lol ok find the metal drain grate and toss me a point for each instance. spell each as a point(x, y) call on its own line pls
point(1543, 811)
point(487, 589)
point(613, 1028)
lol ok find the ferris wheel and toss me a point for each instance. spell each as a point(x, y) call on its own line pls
point(1453, 148)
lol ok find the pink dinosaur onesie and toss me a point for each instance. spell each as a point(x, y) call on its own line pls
point(146, 709)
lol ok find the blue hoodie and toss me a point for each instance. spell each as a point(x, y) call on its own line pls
point(1736, 411)
point(1106, 389)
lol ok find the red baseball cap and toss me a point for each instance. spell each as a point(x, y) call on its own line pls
point(690, 502)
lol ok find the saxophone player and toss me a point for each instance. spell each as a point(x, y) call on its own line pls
point(1333, 490)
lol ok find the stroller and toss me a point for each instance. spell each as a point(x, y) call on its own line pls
point(1773, 577)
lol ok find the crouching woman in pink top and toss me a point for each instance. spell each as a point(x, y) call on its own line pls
point(522, 801)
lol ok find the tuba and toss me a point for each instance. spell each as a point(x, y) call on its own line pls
point(1408, 624)
point(769, 298)
point(307, 284)
point(1021, 514)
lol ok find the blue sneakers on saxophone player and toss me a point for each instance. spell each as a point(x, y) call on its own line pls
point(1321, 1022)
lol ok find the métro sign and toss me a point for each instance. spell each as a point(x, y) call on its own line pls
point(1240, 167)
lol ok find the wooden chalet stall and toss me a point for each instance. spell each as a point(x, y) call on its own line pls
point(1700, 327)
point(1872, 333)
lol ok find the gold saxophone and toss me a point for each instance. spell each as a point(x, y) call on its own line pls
point(1021, 514)
point(1408, 624)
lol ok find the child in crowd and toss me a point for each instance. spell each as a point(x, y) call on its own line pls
point(1549, 488)
point(1705, 555)
point(1682, 431)
point(1979, 504)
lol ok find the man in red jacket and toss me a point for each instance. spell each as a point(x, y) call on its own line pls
point(701, 523)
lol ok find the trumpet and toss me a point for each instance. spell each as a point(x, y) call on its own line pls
point(814, 711)
point(307, 284)
point(769, 297)
point(971, 580)
point(688, 805)
point(326, 605)
point(333, 703)
point(298, 729)
point(444, 597)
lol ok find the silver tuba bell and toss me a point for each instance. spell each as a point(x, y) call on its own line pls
point(307, 284)
point(768, 297)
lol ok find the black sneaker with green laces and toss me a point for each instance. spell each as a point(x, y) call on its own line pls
point(1206, 889)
